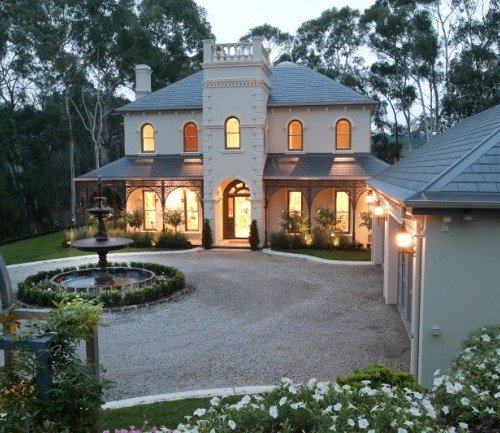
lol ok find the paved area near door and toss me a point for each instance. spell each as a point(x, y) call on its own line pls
point(252, 319)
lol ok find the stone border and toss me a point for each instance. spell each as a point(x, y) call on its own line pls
point(183, 395)
point(318, 259)
point(111, 255)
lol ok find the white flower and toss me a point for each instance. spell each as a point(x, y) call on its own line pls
point(402, 430)
point(464, 401)
point(414, 411)
point(283, 401)
point(337, 407)
point(318, 397)
point(368, 391)
point(327, 410)
point(473, 389)
point(200, 412)
point(486, 338)
point(231, 424)
point(215, 401)
point(351, 422)
point(446, 410)
point(286, 382)
point(298, 405)
point(363, 423)
point(463, 425)
point(489, 410)
point(292, 389)
point(273, 412)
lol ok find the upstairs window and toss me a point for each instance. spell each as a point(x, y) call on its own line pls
point(190, 137)
point(295, 135)
point(343, 135)
point(232, 133)
point(147, 138)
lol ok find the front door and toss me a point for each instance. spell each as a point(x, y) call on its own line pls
point(405, 287)
point(237, 210)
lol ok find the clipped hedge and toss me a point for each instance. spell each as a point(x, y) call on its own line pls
point(36, 288)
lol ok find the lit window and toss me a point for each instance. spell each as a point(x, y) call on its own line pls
point(343, 135)
point(147, 138)
point(149, 203)
point(190, 137)
point(342, 211)
point(295, 135)
point(295, 202)
point(185, 201)
point(232, 133)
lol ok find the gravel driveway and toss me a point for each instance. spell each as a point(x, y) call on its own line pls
point(251, 320)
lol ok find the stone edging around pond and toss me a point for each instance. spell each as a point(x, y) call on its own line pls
point(318, 259)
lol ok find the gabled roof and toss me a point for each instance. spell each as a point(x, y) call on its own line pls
point(357, 166)
point(149, 167)
point(457, 168)
point(291, 85)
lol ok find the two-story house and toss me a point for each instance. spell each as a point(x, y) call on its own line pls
point(242, 140)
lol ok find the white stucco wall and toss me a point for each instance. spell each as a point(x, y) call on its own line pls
point(319, 128)
point(460, 287)
point(169, 130)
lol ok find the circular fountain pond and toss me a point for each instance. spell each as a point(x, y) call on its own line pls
point(84, 280)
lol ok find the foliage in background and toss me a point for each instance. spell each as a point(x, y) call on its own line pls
point(206, 235)
point(253, 238)
point(135, 219)
point(173, 218)
point(74, 402)
point(294, 222)
point(366, 220)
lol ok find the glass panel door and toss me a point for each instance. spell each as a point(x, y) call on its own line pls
point(242, 216)
point(149, 210)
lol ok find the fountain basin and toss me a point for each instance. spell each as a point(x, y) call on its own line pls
point(84, 280)
point(92, 244)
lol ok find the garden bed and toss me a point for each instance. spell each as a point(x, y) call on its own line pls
point(362, 256)
point(37, 290)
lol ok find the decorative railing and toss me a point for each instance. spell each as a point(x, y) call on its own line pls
point(237, 52)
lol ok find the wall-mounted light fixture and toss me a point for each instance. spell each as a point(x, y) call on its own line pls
point(369, 198)
point(379, 212)
point(404, 240)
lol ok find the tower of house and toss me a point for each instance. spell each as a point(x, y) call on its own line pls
point(235, 93)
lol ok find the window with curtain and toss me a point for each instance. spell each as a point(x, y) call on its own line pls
point(295, 135)
point(190, 137)
point(232, 129)
point(343, 135)
point(342, 211)
point(147, 138)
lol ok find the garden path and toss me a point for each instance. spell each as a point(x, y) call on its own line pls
point(252, 319)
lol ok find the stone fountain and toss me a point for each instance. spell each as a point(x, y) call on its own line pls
point(95, 279)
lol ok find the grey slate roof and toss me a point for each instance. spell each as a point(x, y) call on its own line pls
point(358, 166)
point(149, 167)
point(460, 166)
point(291, 84)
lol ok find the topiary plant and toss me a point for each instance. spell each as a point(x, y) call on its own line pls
point(206, 235)
point(254, 236)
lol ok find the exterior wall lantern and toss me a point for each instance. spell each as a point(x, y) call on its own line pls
point(379, 212)
point(369, 198)
point(404, 240)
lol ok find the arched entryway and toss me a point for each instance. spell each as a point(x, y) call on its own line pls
point(236, 210)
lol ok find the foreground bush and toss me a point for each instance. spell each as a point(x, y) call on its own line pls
point(74, 403)
point(376, 399)
point(36, 288)
point(173, 241)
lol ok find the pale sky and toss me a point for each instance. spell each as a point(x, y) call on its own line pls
point(232, 19)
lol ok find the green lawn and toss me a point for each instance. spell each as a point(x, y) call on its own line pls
point(43, 248)
point(362, 256)
point(169, 413)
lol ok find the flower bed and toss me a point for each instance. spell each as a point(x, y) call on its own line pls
point(36, 288)
point(373, 400)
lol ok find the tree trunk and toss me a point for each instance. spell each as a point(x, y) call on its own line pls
point(71, 157)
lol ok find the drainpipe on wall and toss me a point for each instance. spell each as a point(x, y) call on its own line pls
point(415, 314)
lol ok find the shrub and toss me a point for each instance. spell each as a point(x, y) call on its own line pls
point(74, 234)
point(173, 217)
point(173, 241)
point(321, 239)
point(469, 393)
point(142, 239)
point(294, 222)
point(327, 219)
point(377, 375)
point(206, 235)
point(254, 236)
point(279, 241)
point(366, 220)
point(135, 219)
point(36, 288)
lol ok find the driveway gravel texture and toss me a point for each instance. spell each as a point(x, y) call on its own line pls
point(251, 320)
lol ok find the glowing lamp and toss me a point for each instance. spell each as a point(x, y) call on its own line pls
point(379, 212)
point(369, 198)
point(404, 240)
